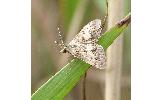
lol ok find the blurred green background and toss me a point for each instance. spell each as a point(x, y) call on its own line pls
point(71, 16)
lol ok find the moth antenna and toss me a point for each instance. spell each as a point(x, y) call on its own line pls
point(60, 44)
point(105, 18)
point(60, 39)
point(57, 44)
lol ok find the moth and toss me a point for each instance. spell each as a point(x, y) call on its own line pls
point(84, 45)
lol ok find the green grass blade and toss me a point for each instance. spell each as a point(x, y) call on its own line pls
point(108, 37)
point(58, 86)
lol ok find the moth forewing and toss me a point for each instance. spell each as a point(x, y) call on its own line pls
point(91, 31)
point(95, 56)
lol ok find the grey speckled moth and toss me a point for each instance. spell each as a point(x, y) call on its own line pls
point(84, 45)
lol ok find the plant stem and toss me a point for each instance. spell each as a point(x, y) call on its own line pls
point(84, 86)
point(114, 53)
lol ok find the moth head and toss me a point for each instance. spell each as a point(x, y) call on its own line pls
point(64, 50)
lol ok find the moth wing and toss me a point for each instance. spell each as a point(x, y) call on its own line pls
point(90, 32)
point(94, 56)
point(84, 46)
point(88, 35)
